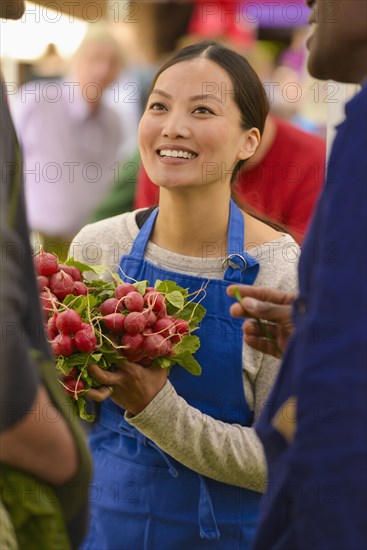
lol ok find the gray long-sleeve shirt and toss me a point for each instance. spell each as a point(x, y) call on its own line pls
point(226, 452)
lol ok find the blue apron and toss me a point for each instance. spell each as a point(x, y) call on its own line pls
point(141, 498)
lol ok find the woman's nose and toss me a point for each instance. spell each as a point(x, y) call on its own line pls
point(175, 126)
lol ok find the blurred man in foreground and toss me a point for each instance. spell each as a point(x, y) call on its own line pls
point(314, 425)
point(41, 447)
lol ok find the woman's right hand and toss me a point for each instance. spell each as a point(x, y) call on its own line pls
point(265, 304)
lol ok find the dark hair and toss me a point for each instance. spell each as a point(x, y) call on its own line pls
point(249, 93)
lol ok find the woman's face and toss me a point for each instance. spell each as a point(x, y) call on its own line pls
point(190, 133)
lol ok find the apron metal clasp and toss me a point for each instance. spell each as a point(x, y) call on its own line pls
point(228, 262)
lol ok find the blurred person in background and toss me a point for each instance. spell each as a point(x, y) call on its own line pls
point(44, 462)
point(314, 424)
point(70, 141)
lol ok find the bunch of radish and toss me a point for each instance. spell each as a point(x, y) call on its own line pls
point(97, 322)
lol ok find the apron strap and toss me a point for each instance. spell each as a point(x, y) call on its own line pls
point(142, 239)
point(238, 266)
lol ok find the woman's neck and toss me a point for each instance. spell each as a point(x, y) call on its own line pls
point(193, 223)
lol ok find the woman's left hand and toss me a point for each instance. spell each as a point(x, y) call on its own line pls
point(131, 386)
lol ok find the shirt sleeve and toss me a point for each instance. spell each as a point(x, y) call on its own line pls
point(229, 453)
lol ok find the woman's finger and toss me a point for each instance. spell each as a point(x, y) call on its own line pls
point(99, 394)
point(105, 378)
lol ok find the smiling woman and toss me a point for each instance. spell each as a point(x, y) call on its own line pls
point(182, 453)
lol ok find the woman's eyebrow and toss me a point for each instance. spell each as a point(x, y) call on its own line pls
point(192, 98)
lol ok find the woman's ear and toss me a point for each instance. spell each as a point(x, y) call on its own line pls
point(250, 142)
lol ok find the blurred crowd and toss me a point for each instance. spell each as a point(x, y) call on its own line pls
point(77, 121)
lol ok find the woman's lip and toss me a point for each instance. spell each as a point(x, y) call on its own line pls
point(174, 160)
point(171, 147)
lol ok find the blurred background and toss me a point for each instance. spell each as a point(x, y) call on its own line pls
point(42, 48)
point(271, 34)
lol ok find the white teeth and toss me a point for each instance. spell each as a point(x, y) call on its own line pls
point(175, 154)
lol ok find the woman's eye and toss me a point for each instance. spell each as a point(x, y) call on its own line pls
point(203, 110)
point(156, 107)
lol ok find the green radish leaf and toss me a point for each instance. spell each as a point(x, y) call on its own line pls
point(163, 362)
point(166, 287)
point(76, 360)
point(187, 361)
point(188, 344)
point(101, 285)
point(99, 269)
point(73, 301)
point(141, 287)
point(192, 313)
point(81, 403)
point(96, 356)
point(157, 283)
point(176, 299)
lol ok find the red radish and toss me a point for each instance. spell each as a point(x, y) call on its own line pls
point(151, 317)
point(147, 330)
point(124, 289)
point(61, 284)
point(46, 264)
point(48, 301)
point(71, 374)
point(69, 321)
point(52, 331)
point(176, 338)
point(132, 342)
point(85, 341)
point(165, 326)
point(87, 326)
point(169, 348)
point(135, 322)
point(80, 289)
point(154, 345)
point(111, 305)
point(114, 321)
point(74, 386)
point(154, 300)
point(149, 289)
point(134, 301)
point(63, 345)
point(145, 361)
point(182, 326)
point(134, 357)
point(162, 312)
point(72, 271)
point(42, 282)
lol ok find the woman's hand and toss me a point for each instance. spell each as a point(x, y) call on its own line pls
point(266, 304)
point(131, 386)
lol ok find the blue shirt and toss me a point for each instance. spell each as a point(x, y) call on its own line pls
point(317, 493)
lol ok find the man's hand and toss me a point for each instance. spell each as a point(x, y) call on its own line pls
point(131, 386)
point(269, 305)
